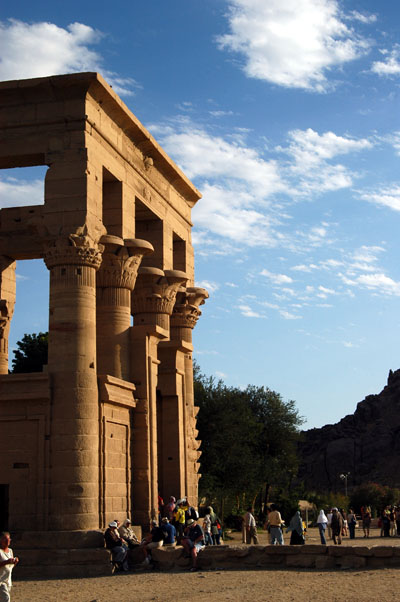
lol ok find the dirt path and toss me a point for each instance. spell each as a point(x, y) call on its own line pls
point(382, 585)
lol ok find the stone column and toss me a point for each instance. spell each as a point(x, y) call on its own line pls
point(152, 303)
point(115, 281)
point(7, 302)
point(74, 440)
point(180, 455)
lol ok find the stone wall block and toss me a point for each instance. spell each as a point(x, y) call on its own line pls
point(313, 549)
point(302, 561)
point(378, 563)
point(363, 551)
point(339, 551)
point(382, 551)
point(324, 562)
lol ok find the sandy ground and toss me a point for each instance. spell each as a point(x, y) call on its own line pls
point(261, 585)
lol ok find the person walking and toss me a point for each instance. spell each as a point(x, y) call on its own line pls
point(337, 526)
point(322, 522)
point(275, 524)
point(250, 525)
point(297, 530)
point(352, 520)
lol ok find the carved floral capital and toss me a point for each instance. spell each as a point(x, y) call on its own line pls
point(186, 310)
point(155, 291)
point(76, 248)
point(121, 261)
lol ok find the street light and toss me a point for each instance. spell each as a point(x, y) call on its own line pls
point(344, 476)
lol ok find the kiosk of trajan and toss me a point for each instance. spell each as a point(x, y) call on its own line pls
point(110, 423)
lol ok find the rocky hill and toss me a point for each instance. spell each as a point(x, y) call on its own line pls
point(366, 444)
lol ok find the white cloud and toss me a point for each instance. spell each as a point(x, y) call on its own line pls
point(390, 65)
point(209, 285)
point(41, 49)
point(236, 182)
point(380, 283)
point(289, 316)
point(309, 148)
point(249, 313)
point(20, 193)
point(276, 278)
point(311, 153)
point(386, 196)
point(363, 17)
point(293, 43)
point(304, 267)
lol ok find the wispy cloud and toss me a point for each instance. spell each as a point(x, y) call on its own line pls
point(276, 278)
point(209, 285)
point(294, 43)
point(390, 65)
point(40, 49)
point(311, 163)
point(248, 312)
point(387, 196)
point(17, 193)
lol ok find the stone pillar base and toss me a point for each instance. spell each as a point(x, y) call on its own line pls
point(61, 554)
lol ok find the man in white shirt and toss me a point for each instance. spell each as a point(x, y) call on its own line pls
point(7, 563)
point(329, 525)
point(250, 525)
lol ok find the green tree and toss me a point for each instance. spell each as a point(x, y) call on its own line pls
point(31, 354)
point(375, 495)
point(248, 439)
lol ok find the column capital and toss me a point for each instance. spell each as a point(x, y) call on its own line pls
point(5, 316)
point(121, 261)
point(75, 248)
point(186, 310)
point(155, 292)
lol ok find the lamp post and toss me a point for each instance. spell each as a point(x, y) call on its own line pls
point(344, 477)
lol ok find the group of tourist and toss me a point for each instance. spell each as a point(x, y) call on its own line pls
point(389, 521)
point(275, 526)
point(340, 524)
point(177, 523)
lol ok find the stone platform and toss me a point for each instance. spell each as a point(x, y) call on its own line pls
point(82, 554)
point(307, 556)
point(60, 554)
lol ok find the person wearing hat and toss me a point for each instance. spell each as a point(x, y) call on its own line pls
point(171, 532)
point(128, 535)
point(116, 545)
point(193, 542)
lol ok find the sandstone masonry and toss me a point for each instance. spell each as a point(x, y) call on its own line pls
point(111, 423)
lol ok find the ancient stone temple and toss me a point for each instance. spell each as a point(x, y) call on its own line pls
point(110, 423)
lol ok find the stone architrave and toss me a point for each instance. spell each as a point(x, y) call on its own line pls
point(7, 302)
point(115, 282)
point(74, 442)
point(179, 441)
point(153, 301)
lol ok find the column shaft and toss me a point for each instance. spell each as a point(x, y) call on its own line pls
point(74, 439)
point(7, 302)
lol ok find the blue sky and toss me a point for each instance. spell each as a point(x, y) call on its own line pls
point(285, 115)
